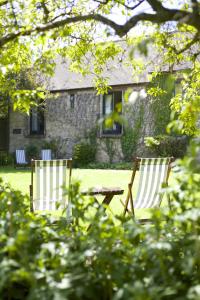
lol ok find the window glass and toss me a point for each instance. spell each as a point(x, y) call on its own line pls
point(112, 102)
point(108, 104)
point(72, 100)
point(37, 121)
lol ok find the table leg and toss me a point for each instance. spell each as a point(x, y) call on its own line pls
point(107, 199)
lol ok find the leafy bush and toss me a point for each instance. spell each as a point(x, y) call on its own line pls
point(116, 259)
point(83, 154)
point(32, 152)
point(6, 159)
point(53, 145)
point(131, 136)
point(165, 145)
point(114, 166)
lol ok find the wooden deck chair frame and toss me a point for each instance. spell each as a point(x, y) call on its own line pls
point(65, 162)
point(20, 153)
point(129, 197)
point(46, 154)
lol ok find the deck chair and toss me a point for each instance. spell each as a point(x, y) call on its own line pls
point(20, 158)
point(46, 154)
point(153, 174)
point(46, 189)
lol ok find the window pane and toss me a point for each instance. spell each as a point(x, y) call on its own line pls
point(108, 104)
point(112, 102)
point(34, 120)
point(72, 99)
point(37, 121)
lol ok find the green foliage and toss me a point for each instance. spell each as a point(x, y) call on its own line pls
point(53, 145)
point(83, 154)
point(114, 166)
point(6, 159)
point(65, 261)
point(91, 136)
point(131, 136)
point(161, 90)
point(32, 152)
point(19, 84)
point(110, 149)
point(166, 145)
point(186, 105)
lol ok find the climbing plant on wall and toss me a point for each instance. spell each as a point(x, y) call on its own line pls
point(131, 136)
point(161, 90)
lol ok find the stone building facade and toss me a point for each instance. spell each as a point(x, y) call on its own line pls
point(74, 110)
point(69, 116)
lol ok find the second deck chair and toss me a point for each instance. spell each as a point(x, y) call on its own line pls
point(153, 173)
point(46, 189)
point(20, 158)
point(46, 154)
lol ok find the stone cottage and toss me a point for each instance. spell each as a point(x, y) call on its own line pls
point(74, 110)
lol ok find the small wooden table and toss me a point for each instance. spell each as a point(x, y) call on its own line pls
point(109, 193)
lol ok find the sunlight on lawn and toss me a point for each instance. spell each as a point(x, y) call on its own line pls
point(21, 179)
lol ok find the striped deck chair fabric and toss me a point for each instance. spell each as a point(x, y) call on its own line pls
point(50, 178)
point(46, 154)
point(153, 173)
point(20, 157)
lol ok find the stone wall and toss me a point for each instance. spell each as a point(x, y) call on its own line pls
point(69, 125)
point(19, 137)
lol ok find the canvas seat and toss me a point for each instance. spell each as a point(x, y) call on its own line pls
point(46, 154)
point(153, 175)
point(20, 157)
point(48, 177)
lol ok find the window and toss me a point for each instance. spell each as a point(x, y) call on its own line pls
point(72, 100)
point(37, 121)
point(112, 102)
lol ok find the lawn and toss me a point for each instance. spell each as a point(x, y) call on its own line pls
point(20, 179)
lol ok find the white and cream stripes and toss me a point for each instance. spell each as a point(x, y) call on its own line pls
point(50, 178)
point(20, 157)
point(153, 173)
point(46, 154)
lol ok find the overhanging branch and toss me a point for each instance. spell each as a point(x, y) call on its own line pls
point(162, 15)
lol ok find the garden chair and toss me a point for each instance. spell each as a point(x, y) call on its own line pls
point(46, 154)
point(46, 189)
point(20, 158)
point(153, 175)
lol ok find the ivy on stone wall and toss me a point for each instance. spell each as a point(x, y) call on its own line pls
point(161, 90)
point(110, 149)
point(131, 136)
point(85, 151)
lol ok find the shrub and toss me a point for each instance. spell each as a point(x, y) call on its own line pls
point(53, 145)
point(113, 260)
point(165, 145)
point(32, 152)
point(114, 166)
point(83, 154)
point(6, 159)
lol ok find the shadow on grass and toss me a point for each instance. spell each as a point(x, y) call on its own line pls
point(9, 169)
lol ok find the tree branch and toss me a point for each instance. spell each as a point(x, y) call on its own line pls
point(2, 3)
point(190, 44)
point(156, 5)
point(132, 7)
point(163, 15)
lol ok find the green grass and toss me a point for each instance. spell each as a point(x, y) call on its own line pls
point(20, 179)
